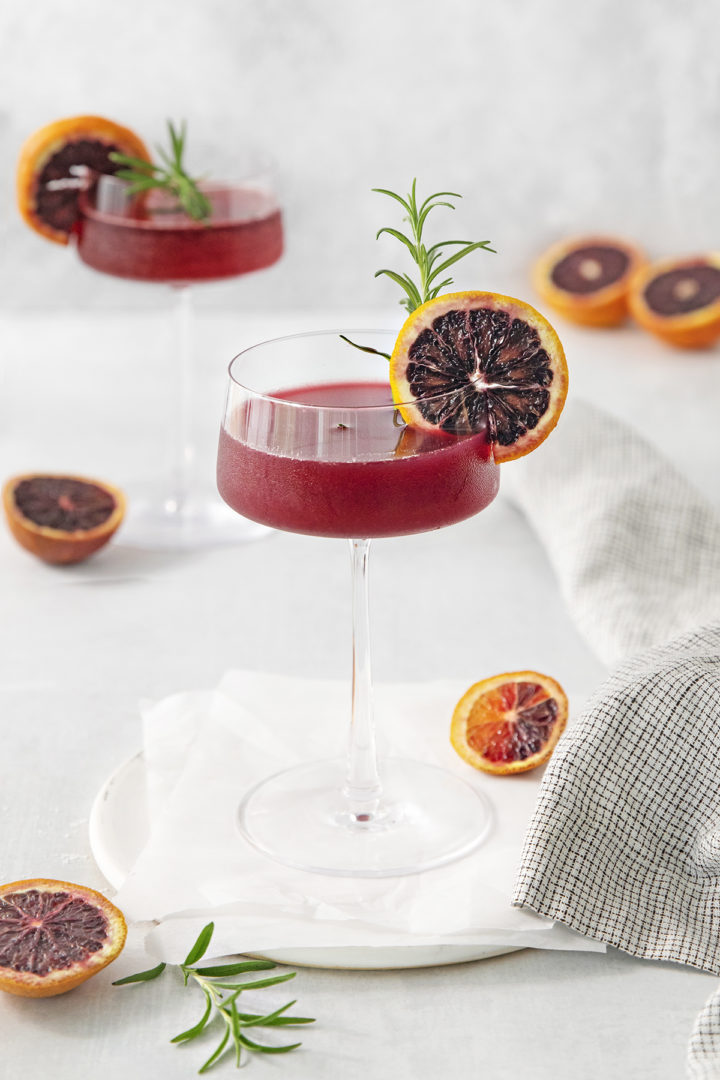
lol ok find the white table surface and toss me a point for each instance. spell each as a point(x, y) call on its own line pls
point(80, 647)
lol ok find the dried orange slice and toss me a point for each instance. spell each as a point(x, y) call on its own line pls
point(679, 300)
point(587, 278)
point(48, 181)
point(496, 361)
point(55, 935)
point(509, 723)
point(62, 519)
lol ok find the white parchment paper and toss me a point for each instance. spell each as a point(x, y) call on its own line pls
point(204, 750)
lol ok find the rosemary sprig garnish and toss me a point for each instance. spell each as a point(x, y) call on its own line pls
point(221, 1002)
point(171, 177)
point(431, 261)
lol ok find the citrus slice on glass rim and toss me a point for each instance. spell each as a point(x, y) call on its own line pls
point(54, 165)
point(54, 935)
point(477, 361)
point(509, 723)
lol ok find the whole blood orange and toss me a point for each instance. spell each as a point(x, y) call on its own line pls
point(587, 278)
point(509, 723)
point(62, 519)
point(478, 361)
point(54, 164)
point(55, 935)
point(679, 300)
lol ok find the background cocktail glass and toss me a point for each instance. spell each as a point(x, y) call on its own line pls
point(310, 443)
point(152, 240)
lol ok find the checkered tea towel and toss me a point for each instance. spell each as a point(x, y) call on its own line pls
point(635, 549)
point(624, 844)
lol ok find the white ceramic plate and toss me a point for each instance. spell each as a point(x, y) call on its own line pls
point(118, 832)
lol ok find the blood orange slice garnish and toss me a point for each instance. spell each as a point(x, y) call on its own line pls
point(62, 519)
point(478, 361)
point(509, 723)
point(52, 166)
point(587, 278)
point(679, 300)
point(55, 935)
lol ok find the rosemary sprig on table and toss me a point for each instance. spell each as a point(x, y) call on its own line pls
point(172, 177)
point(221, 1002)
point(431, 262)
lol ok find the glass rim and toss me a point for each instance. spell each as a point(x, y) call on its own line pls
point(261, 180)
point(325, 408)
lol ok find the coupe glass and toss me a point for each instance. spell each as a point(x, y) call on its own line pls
point(311, 442)
point(153, 240)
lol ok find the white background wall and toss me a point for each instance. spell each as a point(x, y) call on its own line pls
point(551, 116)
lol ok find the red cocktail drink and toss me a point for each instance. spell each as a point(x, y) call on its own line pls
point(150, 239)
point(368, 476)
point(312, 442)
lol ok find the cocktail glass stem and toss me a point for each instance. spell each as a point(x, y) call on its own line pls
point(362, 786)
point(319, 458)
point(184, 447)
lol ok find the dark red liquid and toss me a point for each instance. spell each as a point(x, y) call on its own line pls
point(368, 478)
point(243, 233)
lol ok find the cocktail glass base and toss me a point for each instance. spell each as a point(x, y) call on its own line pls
point(424, 818)
point(162, 522)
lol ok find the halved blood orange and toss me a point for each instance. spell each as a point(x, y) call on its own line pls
point(509, 723)
point(587, 278)
point(55, 935)
point(51, 161)
point(679, 300)
point(61, 519)
point(473, 361)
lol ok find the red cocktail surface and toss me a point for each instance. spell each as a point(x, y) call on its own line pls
point(359, 475)
point(156, 242)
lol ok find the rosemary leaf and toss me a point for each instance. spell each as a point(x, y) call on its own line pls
point(393, 195)
point(461, 255)
point(235, 969)
point(256, 984)
point(399, 236)
point(136, 163)
point(269, 1019)
point(364, 348)
point(282, 1021)
point(216, 1053)
point(440, 195)
point(141, 976)
point(193, 1032)
point(408, 286)
point(237, 1038)
point(264, 1049)
point(201, 945)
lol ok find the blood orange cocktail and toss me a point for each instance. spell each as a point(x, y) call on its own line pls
point(149, 238)
point(367, 477)
point(152, 240)
point(311, 443)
